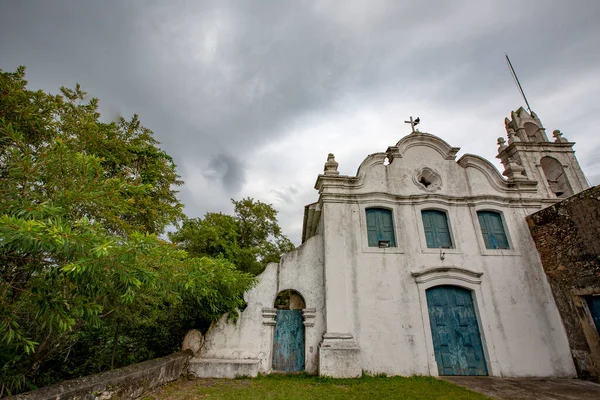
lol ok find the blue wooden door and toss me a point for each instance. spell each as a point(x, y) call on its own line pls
point(288, 343)
point(456, 338)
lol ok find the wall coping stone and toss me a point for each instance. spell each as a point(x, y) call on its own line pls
point(131, 381)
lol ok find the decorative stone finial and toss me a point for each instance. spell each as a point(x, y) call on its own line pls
point(331, 166)
point(512, 136)
point(501, 144)
point(558, 137)
point(512, 170)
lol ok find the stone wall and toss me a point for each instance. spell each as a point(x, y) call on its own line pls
point(567, 236)
point(128, 382)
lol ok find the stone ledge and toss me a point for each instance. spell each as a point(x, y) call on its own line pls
point(339, 356)
point(223, 367)
point(127, 382)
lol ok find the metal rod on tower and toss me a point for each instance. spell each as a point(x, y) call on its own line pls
point(514, 75)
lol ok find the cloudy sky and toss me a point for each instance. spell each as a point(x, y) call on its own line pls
point(250, 96)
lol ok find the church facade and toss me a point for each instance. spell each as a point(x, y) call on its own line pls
point(420, 264)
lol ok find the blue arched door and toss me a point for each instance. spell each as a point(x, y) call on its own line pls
point(455, 332)
point(288, 341)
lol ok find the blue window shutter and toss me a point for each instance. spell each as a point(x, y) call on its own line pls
point(442, 230)
point(428, 226)
point(380, 226)
point(483, 223)
point(387, 227)
point(492, 229)
point(498, 231)
point(437, 232)
point(372, 227)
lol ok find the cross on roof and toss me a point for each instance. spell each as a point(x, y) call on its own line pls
point(413, 123)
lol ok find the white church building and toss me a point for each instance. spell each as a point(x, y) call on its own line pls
point(420, 264)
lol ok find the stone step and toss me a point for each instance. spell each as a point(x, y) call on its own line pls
point(223, 367)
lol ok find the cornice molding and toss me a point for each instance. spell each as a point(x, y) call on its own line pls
point(456, 273)
point(533, 147)
point(269, 315)
point(309, 315)
point(429, 198)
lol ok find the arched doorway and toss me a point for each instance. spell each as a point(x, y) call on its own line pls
point(288, 341)
point(455, 331)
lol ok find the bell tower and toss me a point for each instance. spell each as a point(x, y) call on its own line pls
point(530, 155)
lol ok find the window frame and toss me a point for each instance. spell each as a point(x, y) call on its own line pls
point(448, 225)
point(498, 215)
point(364, 235)
point(387, 212)
point(451, 212)
point(513, 247)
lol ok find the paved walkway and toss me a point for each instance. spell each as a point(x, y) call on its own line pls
point(528, 389)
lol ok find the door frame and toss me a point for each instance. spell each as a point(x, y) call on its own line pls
point(308, 315)
point(467, 279)
point(303, 353)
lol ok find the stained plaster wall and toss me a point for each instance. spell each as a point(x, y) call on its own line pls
point(250, 337)
point(377, 300)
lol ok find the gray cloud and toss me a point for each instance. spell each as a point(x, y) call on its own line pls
point(228, 87)
point(227, 171)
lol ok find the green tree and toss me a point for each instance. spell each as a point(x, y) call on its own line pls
point(259, 232)
point(81, 204)
point(250, 238)
point(214, 235)
point(39, 129)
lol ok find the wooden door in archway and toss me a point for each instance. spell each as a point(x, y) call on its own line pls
point(455, 331)
point(288, 342)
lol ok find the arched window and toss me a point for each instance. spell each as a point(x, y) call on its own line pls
point(555, 175)
point(380, 228)
point(437, 232)
point(533, 132)
point(492, 229)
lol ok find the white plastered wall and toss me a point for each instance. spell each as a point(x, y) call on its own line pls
point(252, 336)
point(386, 309)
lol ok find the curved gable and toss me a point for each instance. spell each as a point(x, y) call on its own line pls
point(370, 162)
point(471, 175)
point(413, 140)
point(490, 172)
point(424, 139)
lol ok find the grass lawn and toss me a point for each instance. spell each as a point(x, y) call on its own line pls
point(290, 387)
